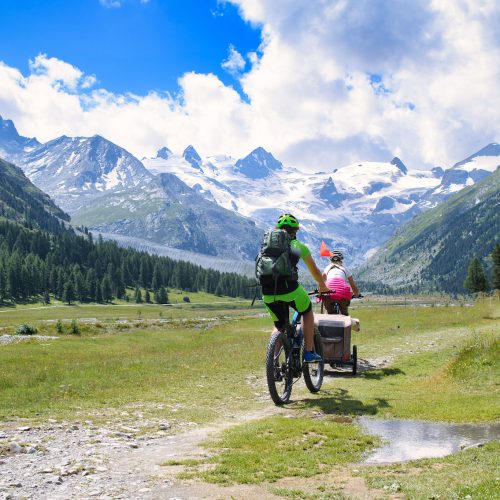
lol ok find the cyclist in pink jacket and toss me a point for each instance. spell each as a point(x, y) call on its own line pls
point(339, 278)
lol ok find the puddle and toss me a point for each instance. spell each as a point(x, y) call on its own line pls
point(413, 439)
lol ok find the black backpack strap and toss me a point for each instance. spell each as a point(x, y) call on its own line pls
point(256, 286)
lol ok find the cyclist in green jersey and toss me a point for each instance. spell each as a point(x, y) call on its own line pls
point(288, 292)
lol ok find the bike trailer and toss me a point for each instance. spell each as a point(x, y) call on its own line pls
point(335, 331)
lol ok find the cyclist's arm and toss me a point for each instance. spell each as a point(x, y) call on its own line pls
point(315, 273)
point(355, 290)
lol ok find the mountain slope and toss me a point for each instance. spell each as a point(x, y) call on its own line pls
point(107, 189)
point(170, 213)
point(354, 208)
point(467, 172)
point(21, 201)
point(71, 169)
point(432, 251)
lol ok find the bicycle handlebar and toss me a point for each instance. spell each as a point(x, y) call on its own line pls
point(322, 294)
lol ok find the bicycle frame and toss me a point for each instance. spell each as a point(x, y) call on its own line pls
point(289, 340)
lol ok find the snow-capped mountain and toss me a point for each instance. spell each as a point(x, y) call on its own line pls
point(11, 143)
point(203, 201)
point(432, 251)
point(108, 190)
point(71, 169)
point(259, 164)
point(468, 172)
point(355, 207)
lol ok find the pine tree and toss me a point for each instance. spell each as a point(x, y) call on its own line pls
point(476, 280)
point(69, 292)
point(156, 281)
point(61, 280)
point(80, 287)
point(495, 255)
point(120, 283)
point(98, 292)
point(161, 296)
point(137, 295)
point(3, 284)
point(147, 296)
point(107, 292)
point(91, 283)
point(46, 297)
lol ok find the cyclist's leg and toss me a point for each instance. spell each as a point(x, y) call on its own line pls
point(302, 304)
point(279, 312)
point(344, 306)
point(329, 305)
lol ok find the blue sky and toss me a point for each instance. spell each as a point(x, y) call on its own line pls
point(132, 46)
point(320, 84)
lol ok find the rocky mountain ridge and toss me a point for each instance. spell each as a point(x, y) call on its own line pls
point(354, 207)
point(432, 252)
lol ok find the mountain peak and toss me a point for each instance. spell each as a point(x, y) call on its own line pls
point(164, 153)
point(258, 164)
point(7, 125)
point(8, 131)
point(191, 156)
point(492, 149)
point(399, 164)
point(438, 172)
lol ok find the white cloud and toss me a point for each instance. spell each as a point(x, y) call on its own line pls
point(55, 71)
point(234, 63)
point(313, 99)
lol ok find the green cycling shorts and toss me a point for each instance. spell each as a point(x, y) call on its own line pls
point(278, 305)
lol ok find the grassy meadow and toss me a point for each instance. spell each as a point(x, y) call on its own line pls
point(204, 362)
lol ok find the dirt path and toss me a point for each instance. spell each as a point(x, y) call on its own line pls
point(64, 460)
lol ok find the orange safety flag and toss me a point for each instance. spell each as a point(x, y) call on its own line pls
point(324, 252)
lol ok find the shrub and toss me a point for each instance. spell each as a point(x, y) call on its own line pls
point(74, 327)
point(26, 329)
point(59, 326)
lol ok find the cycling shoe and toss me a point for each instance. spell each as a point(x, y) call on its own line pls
point(312, 357)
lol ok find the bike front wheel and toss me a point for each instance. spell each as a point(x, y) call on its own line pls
point(314, 372)
point(278, 371)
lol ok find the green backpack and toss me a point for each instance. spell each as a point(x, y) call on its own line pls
point(273, 261)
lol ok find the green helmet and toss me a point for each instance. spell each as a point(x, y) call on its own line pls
point(287, 220)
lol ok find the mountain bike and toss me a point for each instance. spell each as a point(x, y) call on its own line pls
point(284, 364)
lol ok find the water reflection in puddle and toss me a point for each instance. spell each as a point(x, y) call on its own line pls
point(413, 439)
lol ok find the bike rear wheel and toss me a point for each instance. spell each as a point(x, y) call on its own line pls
point(313, 372)
point(354, 360)
point(278, 370)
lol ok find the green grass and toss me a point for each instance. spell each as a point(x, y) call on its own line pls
point(475, 358)
point(178, 358)
point(469, 474)
point(202, 305)
point(201, 372)
point(420, 345)
point(274, 448)
point(330, 492)
point(443, 365)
